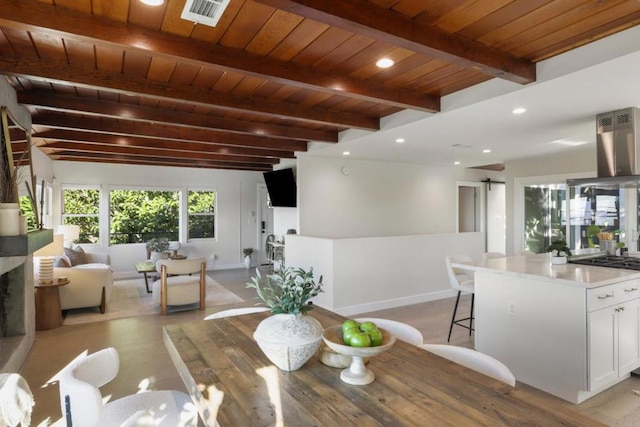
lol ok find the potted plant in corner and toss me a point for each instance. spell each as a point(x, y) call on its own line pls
point(290, 337)
point(247, 257)
point(559, 251)
point(158, 248)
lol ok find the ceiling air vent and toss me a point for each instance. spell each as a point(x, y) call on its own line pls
point(207, 12)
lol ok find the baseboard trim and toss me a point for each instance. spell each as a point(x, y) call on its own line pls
point(392, 303)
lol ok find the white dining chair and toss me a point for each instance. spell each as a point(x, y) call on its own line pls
point(475, 360)
point(400, 330)
point(488, 255)
point(82, 403)
point(236, 312)
point(460, 282)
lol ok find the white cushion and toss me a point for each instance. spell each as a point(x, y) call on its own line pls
point(180, 290)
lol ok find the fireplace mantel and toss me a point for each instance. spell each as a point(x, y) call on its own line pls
point(25, 244)
point(16, 267)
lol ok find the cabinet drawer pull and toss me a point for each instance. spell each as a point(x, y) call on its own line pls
point(619, 309)
point(605, 296)
point(631, 289)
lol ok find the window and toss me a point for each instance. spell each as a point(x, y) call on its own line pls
point(81, 206)
point(544, 215)
point(43, 200)
point(201, 208)
point(136, 216)
point(594, 209)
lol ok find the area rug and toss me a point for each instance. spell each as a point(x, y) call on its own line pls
point(130, 298)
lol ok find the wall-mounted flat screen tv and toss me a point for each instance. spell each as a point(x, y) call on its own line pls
point(281, 186)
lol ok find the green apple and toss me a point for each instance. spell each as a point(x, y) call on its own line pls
point(368, 326)
point(376, 337)
point(348, 333)
point(360, 339)
point(349, 324)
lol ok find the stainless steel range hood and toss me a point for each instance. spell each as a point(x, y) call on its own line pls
point(618, 148)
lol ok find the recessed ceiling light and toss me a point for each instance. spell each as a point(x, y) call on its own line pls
point(399, 140)
point(345, 153)
point(569, 142)
point(519, 110)
point(486, 150)
point(456, 163)
point(152, 2)
point(385, 63)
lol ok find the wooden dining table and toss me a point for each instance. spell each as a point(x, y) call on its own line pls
point(232, 382)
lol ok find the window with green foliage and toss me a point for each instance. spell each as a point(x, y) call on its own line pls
point(201, 208)
point(27, 210)
point(81, 206)
point(545, 215)
point(136, 216)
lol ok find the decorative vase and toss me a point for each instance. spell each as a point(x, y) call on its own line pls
point(289, 340)
point(45, 270)
point(558, 260)
point(247, 261)
point(9, 219)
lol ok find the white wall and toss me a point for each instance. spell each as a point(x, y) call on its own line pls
point(377, 198)
point(368, 274)
point(237, 200)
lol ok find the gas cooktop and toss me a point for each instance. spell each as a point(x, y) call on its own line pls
point(630, 263)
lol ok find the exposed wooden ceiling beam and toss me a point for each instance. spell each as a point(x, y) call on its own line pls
point(43, 99)
point(154, 152)
point(115, 127)
point(366, 18)
point(32, 15)
point(128, 84)
point(134, 141)
point(152, 161)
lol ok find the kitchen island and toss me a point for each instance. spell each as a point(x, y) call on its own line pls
point(570, 330)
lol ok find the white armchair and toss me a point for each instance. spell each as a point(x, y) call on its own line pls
point(83, 405)
point(89, 284)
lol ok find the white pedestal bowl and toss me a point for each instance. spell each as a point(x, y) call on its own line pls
point(357, 373)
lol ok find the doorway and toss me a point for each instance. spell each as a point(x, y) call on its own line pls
point(265, 223)
point(482, 208)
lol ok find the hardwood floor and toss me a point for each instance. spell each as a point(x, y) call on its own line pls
point(145, 364)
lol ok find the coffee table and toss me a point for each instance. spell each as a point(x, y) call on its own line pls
point(145, 267)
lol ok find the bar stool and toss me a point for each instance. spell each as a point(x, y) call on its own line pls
point(461, 283)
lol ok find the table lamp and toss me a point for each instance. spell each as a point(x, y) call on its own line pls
point(70, 233)
point(46, 256)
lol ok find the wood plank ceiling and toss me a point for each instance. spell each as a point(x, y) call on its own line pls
point(123, 82)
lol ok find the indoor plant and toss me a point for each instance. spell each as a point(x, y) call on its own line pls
point(288, 338)
point(559, 251)
point(157, 248)
point(247, 256)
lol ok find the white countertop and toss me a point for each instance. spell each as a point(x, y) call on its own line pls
point(539, 267)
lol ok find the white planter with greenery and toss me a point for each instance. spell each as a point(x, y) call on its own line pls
point(247, 257)
point(289, 338)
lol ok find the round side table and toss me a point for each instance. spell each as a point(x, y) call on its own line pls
point(48, 309)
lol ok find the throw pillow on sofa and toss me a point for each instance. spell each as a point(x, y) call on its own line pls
point(62, 261)
point(76, 256)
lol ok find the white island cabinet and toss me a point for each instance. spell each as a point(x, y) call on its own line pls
point(569, 330)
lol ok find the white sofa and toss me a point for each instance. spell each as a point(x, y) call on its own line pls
point(89, 284)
